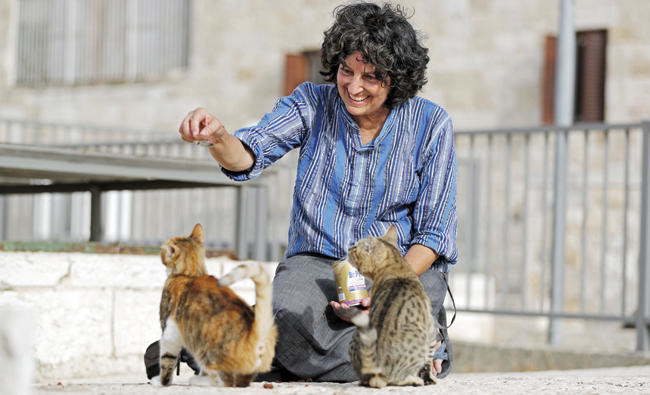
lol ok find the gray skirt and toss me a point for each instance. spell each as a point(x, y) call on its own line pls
point(313, 342)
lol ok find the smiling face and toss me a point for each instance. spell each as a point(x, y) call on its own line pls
point(362, 93)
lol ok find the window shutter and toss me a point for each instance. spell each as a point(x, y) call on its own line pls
point(548, 88)
point(590, 76)
point(591, 59)
point(295, 72)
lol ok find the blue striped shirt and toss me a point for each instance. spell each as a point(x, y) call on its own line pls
point(346, 191)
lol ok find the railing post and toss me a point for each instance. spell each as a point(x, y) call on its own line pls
point(4, 217)
point(558, 236)
point(563, 113)
point(95, 214)
point(643, 300)
point(261, 223)
point(241, 239)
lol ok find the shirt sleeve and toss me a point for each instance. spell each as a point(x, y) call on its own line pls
point(279, 131)
point(434, 215)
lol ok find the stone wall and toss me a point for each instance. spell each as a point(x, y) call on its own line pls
point(96, 313)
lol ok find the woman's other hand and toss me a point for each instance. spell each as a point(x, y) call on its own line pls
point(365, 306)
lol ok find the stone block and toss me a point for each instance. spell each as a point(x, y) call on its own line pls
point(16, 336)
point(245, 289)
point(70, 323)
point(136, 323)
point(228, 266)
point(9, 297)
point(215, 266)
point(122, 271)
point(20, 269)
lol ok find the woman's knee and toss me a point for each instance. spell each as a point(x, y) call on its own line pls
point(299, 286)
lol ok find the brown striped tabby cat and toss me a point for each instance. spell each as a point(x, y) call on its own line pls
point(395, 343)
point(229, 340)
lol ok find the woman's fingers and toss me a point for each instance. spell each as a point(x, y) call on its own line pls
point(199, 124)
point(365, 302)
point(197, 119)
point(338, 306)
point(190, 125)
point(211, 127)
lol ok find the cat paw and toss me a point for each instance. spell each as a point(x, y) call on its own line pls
point(155, 381)
point(202, 381)
point(377, 382)
point(426, 374)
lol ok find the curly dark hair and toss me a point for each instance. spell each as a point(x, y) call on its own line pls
point(386, 39)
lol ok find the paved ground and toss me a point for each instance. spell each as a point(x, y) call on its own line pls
point(628, 380)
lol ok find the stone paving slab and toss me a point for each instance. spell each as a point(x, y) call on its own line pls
point(628, 380)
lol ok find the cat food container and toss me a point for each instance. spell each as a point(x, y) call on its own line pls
point(350, 284)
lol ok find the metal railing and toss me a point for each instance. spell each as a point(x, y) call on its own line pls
point(143, 217)
point(506, 195)
point(506, 203)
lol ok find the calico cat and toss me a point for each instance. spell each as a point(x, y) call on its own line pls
point(395, 343)
point(229, 340)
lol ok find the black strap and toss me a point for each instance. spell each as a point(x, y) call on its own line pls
point(453, 302)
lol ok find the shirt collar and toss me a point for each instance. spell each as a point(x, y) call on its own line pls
point(385, 130)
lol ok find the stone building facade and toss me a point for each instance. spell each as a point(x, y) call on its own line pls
point(486, 69)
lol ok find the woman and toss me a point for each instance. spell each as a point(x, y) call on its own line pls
point(372, 154)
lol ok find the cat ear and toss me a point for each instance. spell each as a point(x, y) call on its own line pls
point(197, 233)
point(170, 250)
point(391, 236)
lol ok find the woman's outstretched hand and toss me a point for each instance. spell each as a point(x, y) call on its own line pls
point(200, 125)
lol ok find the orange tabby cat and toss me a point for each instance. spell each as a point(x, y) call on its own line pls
point(229, 340)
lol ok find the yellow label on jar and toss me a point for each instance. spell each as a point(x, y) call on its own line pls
point(350, 284)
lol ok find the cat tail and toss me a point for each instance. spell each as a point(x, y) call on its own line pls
point(367, 352)
point(263, 324)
